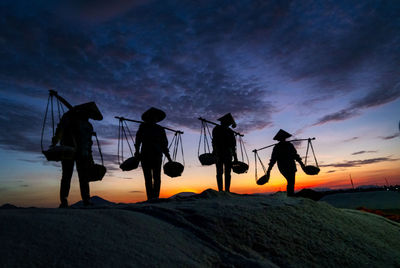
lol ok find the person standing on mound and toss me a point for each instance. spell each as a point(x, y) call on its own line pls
point(285, 154)
point(76, 131)
point(150, 144)
point(224, 148)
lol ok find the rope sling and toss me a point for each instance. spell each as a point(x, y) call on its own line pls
point(242, 166)
point(308, 169)
point(206, 157)
point(63, 152)
point(60, 152)
point(172, 169)
point(123, 134)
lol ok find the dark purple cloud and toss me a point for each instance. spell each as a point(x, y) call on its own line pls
point(359, 163)
point(363, 152)
point(372, 99)
point(351, 139)
point(390, 136)
point(190, 59)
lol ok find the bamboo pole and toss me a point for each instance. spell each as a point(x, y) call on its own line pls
point(213, 123)
point(137, 121)
point(256, 150)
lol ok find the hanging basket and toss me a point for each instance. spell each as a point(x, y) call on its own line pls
point(263, 179)
point(240, 167)
point(59, 153)
point(207, 159)
point(130, 164)
point(173, 169)
point(97, 172)
point(310, 170)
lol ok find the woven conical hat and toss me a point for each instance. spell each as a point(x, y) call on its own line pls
point(228, 118)
point(153, 115)
point(89, 109)
point(282, 135)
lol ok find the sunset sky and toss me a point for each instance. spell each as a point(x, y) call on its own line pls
point(323, 69)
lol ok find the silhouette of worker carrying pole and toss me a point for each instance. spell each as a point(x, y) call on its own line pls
point(150, 144)
point(224, 148)
point(285, 155)
point(75, 130)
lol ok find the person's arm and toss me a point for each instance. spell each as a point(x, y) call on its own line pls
point(234, 154)
point(138, 140)
point(296, 156)
point(59, 130)
point(272, 161)
point(165, 146)
point(215, 140)
point(61, 99)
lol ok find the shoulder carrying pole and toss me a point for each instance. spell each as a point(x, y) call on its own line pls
point(137, 121)
point(213, 123)
point(256, 150)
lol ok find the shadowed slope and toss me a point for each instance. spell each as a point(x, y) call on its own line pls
point(209, 229)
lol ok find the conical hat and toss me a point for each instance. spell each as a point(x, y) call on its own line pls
point(153, 115)
point(281, 135)
point(90, 109)
point(228, 118)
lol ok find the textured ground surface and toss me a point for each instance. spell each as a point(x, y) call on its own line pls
point(210, 229)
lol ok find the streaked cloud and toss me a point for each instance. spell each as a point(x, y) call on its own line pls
point(359, 163)
point(363, 152)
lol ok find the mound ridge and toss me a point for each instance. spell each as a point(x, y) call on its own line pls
point(208, 229)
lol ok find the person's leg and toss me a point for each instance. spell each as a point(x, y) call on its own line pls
point(67, 170)
point(157, 177)
point(290, 177)
point(147, 179)
point(228, 168)
point(83, 167)
point(220, 170)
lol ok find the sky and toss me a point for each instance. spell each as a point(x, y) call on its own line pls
point(323, 69)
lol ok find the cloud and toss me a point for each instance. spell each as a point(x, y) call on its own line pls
point(390, 136)
point(136, 192)
point(330, 171)
point(358, 163)
point(363, 152)
point(193, 59)
point(380, 96)
point(351, 139)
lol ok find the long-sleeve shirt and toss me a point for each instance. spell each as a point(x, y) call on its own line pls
point(223, 141)
point(75, 132)
point(285, 154)
point(151, 140)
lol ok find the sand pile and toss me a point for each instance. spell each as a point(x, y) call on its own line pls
point(210, 229)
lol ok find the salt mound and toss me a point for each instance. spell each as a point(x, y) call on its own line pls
point(209, 229)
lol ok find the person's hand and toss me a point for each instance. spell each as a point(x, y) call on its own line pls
point(53, 142)
point(53, 92)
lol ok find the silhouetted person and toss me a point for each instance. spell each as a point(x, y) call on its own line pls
point(285, 154)
point(224, 148)
point(153, 142)
point(76, 131)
